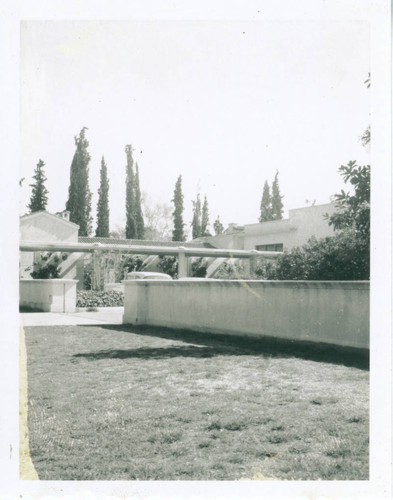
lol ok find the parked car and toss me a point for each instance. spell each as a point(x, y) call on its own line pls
point(140, 275)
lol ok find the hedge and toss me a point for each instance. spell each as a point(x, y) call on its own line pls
point(96, 298)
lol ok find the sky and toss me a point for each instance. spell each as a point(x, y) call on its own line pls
point(225, 104)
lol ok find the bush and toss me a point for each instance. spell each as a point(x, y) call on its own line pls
point(341, 257)
point(199, 268)
point(48, 264)
point(168, 264)
point(96, 298)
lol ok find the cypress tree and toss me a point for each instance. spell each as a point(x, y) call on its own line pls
point(79, 195)
point(178, 224)
point(205, 218)
point(102, 205)
point(140, 224)
point(196, 219)
point(277, 205)
point(131, 228)
point(266, 204)
point(39, 195)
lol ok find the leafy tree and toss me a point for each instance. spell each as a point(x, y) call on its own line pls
point(205, 219)
point(131, 223)
point(344, 256)
point(196, 219)
point(79, 195)
point(39, 196)
point(353, 210)
point(102, 205)
point(158, 219)
point(178, 224)
point(266, 204)
point(140, 224)
point(218, 227)
point(338, 257)
point(277, 205)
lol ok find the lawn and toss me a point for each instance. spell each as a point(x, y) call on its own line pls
point(126, 403)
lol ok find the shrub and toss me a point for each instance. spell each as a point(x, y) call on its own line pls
point(199, 268)
point(47, 267)
point(97, 298)
point(339, 257)
point(132, 263)
point(169, 265)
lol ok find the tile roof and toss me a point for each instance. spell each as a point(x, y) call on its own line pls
point(149, 243)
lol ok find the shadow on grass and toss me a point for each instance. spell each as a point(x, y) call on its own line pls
point(230, 345)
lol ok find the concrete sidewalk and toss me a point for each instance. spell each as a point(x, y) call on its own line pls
point(104, 316)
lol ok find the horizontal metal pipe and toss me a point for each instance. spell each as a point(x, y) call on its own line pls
point(36, 246)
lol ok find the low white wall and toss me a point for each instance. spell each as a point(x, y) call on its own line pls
point(51, 295)
point(336, 312)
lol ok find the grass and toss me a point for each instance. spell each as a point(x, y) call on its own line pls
point(125, 403)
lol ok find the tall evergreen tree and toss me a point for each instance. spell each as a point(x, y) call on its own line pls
point(79, 195)
point(205, 218)
point(140, 224)
point(39, 195)
point(131, 227)
point(178, 224)
point(277, 205)
point(266, 204)
point(102, 205)
point(218, 227)
point(196, 219)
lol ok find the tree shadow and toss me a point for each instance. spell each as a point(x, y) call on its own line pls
point(207, 345)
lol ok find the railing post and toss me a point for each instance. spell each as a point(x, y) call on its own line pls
point(182, 263)
point(253, 261)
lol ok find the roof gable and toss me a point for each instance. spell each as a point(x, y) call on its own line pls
point(44, 213)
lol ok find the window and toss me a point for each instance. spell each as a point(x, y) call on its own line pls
point(273, 247)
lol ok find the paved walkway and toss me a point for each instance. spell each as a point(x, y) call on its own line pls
point(105, 315)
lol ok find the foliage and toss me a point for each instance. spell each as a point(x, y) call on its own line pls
point(131, 263)
point(88, 275)
point(169, 265)
point(353, 210)
point(199, 267)
point(131, 227)
point(339, 257)
point(178, 223)
point(79, 195)
point(47, 267)
point(205, 219)
point(118, 232)
point(96, 298)
point(102, 205)
point(157, 218)
point(109, 266)
point(218, 227)
point(39, 196)
point(271, 207)
point(277, 205)
point(140, 223)
point(266, 204)
point(365, 138)
point(196, 218)
point(47, 271)
point(233, 271)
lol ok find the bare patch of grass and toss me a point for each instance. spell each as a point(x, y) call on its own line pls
point(136, 404)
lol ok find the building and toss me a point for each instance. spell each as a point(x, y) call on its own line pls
point(278, 235)
point(45, 227)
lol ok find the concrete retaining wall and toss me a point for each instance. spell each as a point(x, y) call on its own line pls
point(335, 312)
point(51, 295)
